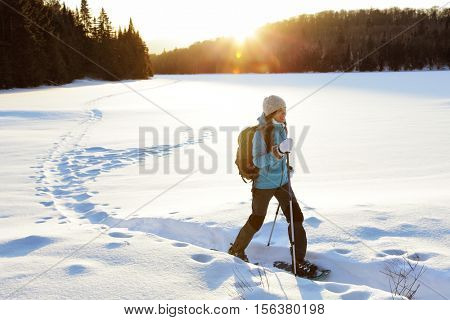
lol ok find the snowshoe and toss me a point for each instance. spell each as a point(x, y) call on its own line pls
point(305, 269)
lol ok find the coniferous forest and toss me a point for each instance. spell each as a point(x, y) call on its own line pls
point(44, 42)
point(79, 45)
point(324, 42)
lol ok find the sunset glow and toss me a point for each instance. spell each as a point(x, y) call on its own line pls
point(176, 23)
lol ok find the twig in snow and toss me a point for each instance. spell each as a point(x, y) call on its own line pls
point(403, 277)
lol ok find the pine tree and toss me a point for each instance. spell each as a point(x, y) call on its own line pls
point(131, 27)
point(104, 27)
point(85, 17)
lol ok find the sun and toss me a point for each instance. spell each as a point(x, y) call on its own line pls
point(241, 35)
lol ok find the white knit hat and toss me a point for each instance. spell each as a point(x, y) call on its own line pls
point(272, 104)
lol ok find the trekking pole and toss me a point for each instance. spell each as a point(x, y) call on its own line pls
point(294, 262)
point(273, 226)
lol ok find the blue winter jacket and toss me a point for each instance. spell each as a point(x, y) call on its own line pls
point(272, 171)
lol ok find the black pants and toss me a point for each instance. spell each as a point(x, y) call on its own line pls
point(260, 203)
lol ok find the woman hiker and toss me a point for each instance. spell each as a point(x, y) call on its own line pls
point(273, 181)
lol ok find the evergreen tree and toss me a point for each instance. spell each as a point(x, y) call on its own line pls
point(326, 41)
point(43, 52)
point(85, 17)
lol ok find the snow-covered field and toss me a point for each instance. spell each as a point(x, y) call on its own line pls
point(80, 220)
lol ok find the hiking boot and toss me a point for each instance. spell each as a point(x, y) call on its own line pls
point(240, 254)
point(306, 269)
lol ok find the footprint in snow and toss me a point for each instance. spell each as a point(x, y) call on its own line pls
point(202, 258)
point(342, 251)
point(180, 244)
point(76, 269)
point(75, 168)
point(43, 219)
point(115, 245)
point(23, 246)
point(422, 256)
point(81, 197)
point(371, 233)
point(313, 222)
point(337, 288)
point(46, 203)
point(394, 252)
point(120, 235)
point(81, 207)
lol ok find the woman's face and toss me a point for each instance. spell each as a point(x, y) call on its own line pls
point(280, 115)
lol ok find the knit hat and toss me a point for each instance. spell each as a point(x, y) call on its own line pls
point(272, 104)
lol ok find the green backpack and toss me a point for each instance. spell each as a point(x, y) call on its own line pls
point(244, 156)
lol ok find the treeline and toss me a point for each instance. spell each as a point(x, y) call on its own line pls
point(323, 42)
point(44, 42)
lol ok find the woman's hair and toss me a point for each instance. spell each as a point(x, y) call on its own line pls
point(267, 130)
point(269, 117)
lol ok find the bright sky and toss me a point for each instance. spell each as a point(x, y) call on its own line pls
point(179, 23)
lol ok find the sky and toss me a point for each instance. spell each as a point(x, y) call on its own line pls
point(169, 24)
